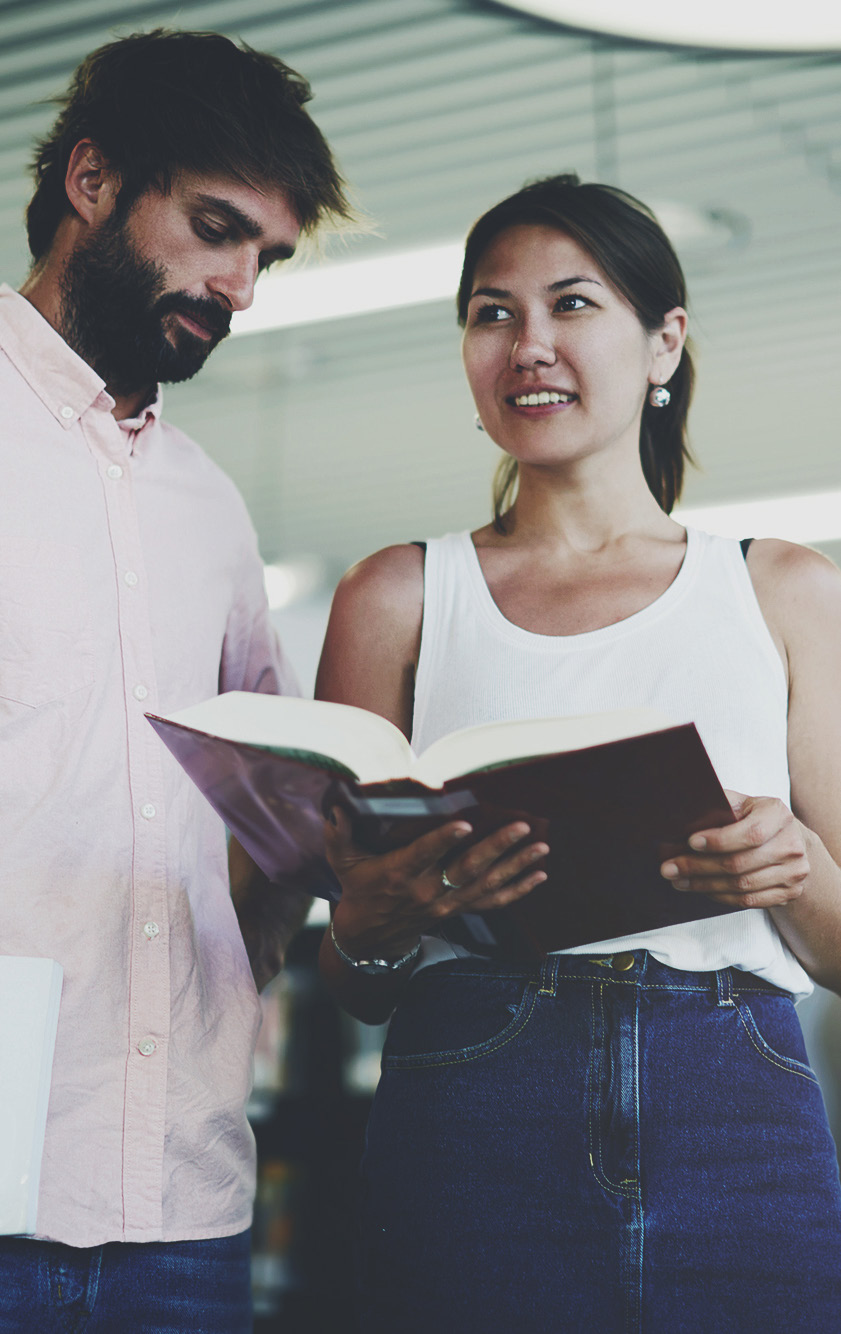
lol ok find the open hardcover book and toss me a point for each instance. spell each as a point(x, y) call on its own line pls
point(612, 794)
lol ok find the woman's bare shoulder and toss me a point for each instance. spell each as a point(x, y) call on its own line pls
point(792, 577)
point(799, 591)
point(390, 582)
point(373, 635)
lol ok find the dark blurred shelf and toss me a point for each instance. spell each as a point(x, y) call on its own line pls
point(310, 1135)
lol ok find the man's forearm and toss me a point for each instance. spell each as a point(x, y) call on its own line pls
point(269, 915)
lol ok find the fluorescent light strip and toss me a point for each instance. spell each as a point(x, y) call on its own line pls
point(812, 518)
point(335, 290)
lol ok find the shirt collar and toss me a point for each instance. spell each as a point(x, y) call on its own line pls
point(66, 384)
point(151, 413)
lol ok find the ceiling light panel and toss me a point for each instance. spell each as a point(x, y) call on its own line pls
point(743, 25)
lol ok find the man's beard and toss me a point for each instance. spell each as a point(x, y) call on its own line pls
point(113, 312)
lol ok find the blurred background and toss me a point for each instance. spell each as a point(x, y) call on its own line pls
point(339, 408)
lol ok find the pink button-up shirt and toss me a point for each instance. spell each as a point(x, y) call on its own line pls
point(129, 581)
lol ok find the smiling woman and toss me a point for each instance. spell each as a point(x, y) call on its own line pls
point(625, 1135)
point(631, 263)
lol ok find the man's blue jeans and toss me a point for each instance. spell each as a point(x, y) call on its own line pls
point(173, 1287)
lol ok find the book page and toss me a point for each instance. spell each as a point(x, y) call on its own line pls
point(474, 748)
point(370, 746)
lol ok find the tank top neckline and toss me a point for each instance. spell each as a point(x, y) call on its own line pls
point(587, 638)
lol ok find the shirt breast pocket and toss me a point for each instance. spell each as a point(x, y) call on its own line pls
point(46, 648)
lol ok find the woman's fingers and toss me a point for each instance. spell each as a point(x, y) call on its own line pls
point(428, 879)
point(413, 860)
point(759, 819)
point(491, 882)
point(758, 862)
point(490, 858)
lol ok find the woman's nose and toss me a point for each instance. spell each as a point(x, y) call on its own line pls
point(533, 346)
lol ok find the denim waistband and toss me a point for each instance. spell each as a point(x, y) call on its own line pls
point(629, 968)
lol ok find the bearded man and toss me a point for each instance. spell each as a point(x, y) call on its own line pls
point(180, 167)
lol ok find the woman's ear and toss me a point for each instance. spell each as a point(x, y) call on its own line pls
point(667, 345)
point(91, 185)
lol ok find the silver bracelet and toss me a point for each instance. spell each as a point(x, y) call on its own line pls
point(373, 967)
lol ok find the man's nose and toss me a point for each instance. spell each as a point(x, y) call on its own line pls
point(235, 283)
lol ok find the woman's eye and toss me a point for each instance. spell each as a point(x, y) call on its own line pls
point(491, 314)
point(571, 301)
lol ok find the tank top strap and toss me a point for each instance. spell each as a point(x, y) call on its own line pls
point(446, 599)
point(726, 560)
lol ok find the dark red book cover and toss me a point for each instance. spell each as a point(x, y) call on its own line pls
point(610, 813)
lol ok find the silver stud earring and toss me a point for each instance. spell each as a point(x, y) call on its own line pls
point(659, 396)
point(477, 422)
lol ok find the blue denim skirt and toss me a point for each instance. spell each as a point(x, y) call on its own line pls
point(598, 1144)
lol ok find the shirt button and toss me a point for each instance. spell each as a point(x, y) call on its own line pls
point(115, 471)
point(151, 929)
point(67, 413)
point(140, 692)
point(148, 811)
point(130, 578)
point(147, 1046)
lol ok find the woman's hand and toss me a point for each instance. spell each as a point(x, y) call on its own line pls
point(388, 900)
point(759, 862)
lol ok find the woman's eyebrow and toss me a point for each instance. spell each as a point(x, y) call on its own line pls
point(570, 282)
point(500, 293)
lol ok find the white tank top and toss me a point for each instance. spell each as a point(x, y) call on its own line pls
point(700, 653)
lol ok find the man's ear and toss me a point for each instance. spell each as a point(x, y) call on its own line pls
point(91, 184)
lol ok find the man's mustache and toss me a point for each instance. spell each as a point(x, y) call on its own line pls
point(208, 312)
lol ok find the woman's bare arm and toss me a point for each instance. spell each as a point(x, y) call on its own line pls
point(369, 659)
point(788, 860)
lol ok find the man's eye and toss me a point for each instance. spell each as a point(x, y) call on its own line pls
point(491, 314)
point(207, 233)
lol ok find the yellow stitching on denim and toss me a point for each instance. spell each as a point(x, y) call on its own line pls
point(666, 986)
point(549, 991)
point(630, 982)
point(599, 1173)
point(478, 1050)
point(595, 1140)
point(786, 1063)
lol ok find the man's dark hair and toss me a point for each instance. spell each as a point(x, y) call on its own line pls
point(162, 102)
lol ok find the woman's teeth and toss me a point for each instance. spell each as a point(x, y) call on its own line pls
point(545, 396)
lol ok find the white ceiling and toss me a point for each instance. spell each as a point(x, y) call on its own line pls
point(350, 435)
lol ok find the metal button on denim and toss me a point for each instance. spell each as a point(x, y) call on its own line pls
point(622, 962)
